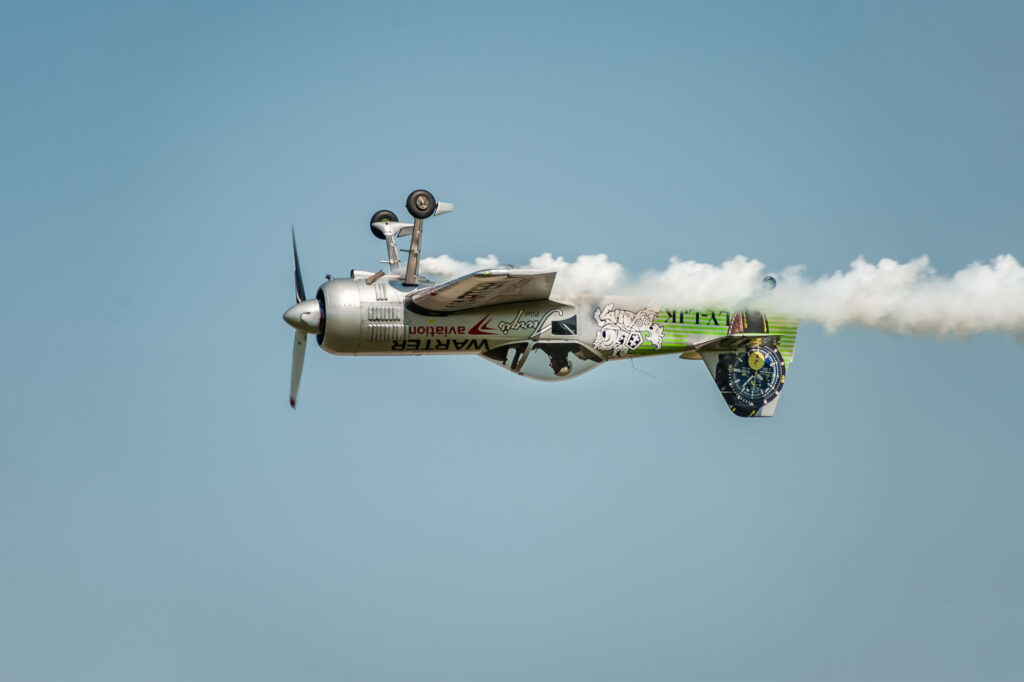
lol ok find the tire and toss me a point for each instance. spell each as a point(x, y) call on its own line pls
point(421, 204)
point(380, 217)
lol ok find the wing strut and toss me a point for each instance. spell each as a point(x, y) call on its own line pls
point(412, 267)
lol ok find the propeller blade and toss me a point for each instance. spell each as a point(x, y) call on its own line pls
point(298, 355)
point(300, 291)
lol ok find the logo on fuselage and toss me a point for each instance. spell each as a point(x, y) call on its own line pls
point(440, 345)
point(437, 330)
point(482, 328)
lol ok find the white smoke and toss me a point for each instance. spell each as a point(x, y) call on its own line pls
point(446, 267)
point(587, 274)
point(905, 298)
point(689, 284)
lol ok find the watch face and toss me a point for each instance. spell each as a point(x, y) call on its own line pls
point(751, 378)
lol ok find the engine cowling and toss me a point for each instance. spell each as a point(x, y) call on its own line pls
point(340, 321)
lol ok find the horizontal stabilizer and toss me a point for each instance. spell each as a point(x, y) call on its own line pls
point(730, 342)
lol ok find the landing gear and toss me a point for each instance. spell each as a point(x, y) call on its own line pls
point(421, 204)
point(385, 226)
point(383, 216)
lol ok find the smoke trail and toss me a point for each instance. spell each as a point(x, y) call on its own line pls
point(905, 298)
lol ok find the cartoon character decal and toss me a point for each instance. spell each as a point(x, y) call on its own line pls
point(621, 331)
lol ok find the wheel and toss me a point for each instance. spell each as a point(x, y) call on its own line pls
point(384, 216)
point(421, 204)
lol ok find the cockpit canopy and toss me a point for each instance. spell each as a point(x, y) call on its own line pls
point(546, 360)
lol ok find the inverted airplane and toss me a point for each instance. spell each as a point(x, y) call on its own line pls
point(510, 317)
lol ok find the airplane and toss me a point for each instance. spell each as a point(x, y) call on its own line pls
point(510, 317)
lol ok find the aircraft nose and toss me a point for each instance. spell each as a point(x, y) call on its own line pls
point(304, 316)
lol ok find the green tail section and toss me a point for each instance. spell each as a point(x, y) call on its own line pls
point(746, 352)
point(686, 328)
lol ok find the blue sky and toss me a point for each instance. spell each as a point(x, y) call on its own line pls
point(165, 515)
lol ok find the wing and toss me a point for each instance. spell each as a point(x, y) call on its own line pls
point(481, 289)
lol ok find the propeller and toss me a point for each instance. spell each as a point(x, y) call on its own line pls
point(300, 291)
point(305, 317)
point(298, 355)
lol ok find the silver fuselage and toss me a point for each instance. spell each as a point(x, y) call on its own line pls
point(550, 340)
point(373, 319)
